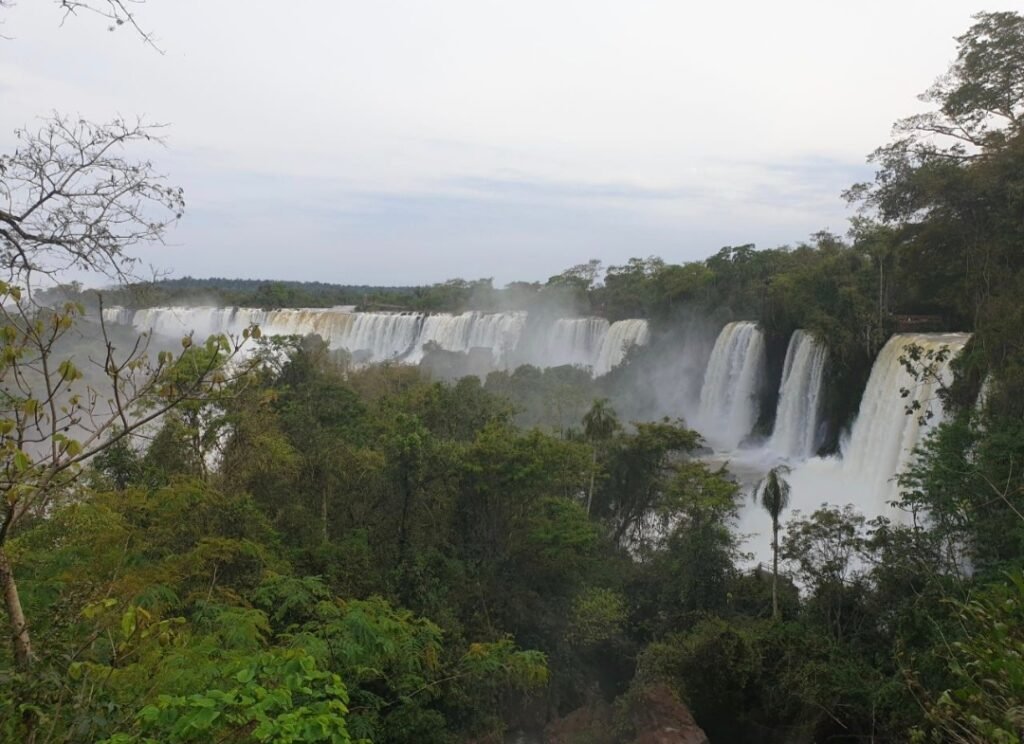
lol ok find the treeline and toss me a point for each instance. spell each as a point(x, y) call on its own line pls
point(251, 293)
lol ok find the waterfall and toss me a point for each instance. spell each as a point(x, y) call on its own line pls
point(884, 435)
point(498, 332)
point(729, 404)
point(575, 341)
point(378, 336)
point(622, 335)
point(797, 418)
point(381, 336)
point(118, 315)
point(179, 321)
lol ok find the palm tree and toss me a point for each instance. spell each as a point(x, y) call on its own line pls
point(773, 493)
point(599, 423)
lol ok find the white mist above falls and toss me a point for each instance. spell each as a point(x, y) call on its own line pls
point(374, 337)
point(796, 435)
point(730, 396)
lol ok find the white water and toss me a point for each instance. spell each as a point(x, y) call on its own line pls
point(884, 435)
point(498, 332)
point(620, 337)
point(798, 416)
point(377, 337)
point(729, 399)
point(879, 446)
point(574, 341)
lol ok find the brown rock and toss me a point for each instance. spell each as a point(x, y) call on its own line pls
point(659, 717)
point(654, 713)
point(591, 724)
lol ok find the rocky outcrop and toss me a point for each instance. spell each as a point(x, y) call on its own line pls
point(653, 715)
point(591, 724)
point(659, 717)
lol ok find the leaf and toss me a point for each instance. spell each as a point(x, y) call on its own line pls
point(21, 461)
point(129, 622)
point(68, 371)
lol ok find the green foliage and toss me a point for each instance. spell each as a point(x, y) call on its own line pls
point(986, 666)
point(714, 668)
point(276, 698)
point(597, 616)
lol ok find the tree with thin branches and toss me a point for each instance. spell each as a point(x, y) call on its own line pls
point(71, 198)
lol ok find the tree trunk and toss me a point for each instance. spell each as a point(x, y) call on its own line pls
point(881, 295)
point(775, 569)
point(323, 514)
point(593, 471)
point(22, 643)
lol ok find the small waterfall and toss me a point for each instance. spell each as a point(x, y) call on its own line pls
point(729, 404)
point(798, 415)
point(118, 315)
point(884, 435)
point(450, 332)
point(574, 341)
point(620, 337)
point(385, 336)
point(329, 324)
point(498, 332)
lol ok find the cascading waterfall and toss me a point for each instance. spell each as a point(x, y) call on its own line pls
point(621, 335)
point(385, 336)
point(376, 337)
point(177, 321)
point(575, 341)
point(884, 435)
point(881, 442)
point(498, 332)
point(798, 417)
point(729, 404)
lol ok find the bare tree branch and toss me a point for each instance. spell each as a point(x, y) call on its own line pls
point(70, 199)
point(117, 13)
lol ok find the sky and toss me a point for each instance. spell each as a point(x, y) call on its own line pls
point(409, 142)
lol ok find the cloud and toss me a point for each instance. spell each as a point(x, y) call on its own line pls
point(523, 188)
point(411, 142)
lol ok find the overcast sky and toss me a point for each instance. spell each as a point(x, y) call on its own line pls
point(387, 142)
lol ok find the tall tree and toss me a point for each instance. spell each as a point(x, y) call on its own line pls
point(599, 424)
point(773, 493)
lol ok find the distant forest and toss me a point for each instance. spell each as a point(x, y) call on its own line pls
point(259, 293)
